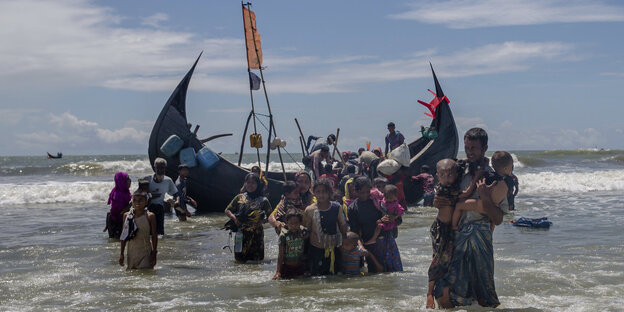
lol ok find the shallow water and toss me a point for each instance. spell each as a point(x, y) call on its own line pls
point(54, 255)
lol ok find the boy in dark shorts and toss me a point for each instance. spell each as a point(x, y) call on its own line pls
point(290, 259)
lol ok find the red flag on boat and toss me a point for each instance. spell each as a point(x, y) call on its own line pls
point(252, 39)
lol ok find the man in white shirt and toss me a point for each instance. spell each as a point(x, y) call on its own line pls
point(159, 184)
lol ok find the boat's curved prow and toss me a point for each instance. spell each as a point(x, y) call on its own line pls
point(174, 113)
point(428, 152)
point(212, 188)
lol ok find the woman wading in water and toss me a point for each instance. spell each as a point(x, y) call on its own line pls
point(249, 211)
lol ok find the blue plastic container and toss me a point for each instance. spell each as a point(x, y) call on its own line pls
point(187, 157)
point(207, 158)
point(172, 145)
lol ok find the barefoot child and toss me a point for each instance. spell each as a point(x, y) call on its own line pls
point(389, 206)
point(141, 249)
point(352, 252)
point(290, 259)
point(502, 162)
point(326, 221)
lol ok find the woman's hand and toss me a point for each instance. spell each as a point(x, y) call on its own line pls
point(235, 219)
point(388, 218)
point(121, 260)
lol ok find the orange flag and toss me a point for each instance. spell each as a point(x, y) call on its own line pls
point(254, 60)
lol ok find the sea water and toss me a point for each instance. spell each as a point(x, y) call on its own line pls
point(54, 255)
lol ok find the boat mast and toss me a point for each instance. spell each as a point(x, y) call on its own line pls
point(253, 110)
point(271, 124)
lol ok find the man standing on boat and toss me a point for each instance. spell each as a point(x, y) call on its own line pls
point(317, 157)
point(470, 275)
point(159, 184)
point(394, 138)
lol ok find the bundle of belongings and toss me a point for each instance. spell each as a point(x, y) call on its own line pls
point(535, 223)
point(129, 228)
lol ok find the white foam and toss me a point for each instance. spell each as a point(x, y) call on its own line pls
point(55, 192)
point(516, 162)
point(548, 182)
point(276, 166)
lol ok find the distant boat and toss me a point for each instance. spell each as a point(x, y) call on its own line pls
point(58, 155)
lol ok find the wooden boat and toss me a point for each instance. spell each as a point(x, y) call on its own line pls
point(58, 155)
point(428, 152)
point(213, 188)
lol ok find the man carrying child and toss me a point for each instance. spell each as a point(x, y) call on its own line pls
point(470, 274)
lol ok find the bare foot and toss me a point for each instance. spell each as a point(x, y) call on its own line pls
point(430, 302)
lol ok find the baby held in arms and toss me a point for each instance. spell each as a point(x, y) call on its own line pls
point(502, 162)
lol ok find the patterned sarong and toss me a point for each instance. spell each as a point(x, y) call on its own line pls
point(471, 272)
point(387, 253)
point(442, 244)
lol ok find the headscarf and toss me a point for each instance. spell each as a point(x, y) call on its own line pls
point(308, 197)
point(347, 198)
point(258, 192)
point(262, 176)
point(119, 196)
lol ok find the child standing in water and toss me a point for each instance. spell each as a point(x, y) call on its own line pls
point(119, 199)
point(290, 259)
point(389, 206)
point(352, 253)
point(326, 221)
point(141, 249)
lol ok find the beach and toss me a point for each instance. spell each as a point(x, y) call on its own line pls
point(54, 255)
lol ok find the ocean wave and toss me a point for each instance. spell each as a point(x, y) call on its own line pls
point(579, 182)
point(581, 152)
point(55, 192)
point(276, 166)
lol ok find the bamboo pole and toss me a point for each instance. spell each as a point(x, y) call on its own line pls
point(302, 146)
point(240, 155)
point(266, 96)
point(336, 143)
point(253, 110)
point(302, 137)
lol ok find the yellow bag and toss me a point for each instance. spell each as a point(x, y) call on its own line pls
point(255, 140)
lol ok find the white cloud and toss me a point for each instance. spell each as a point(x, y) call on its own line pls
point(67, 120)
point(489, 13)
point(123, 134)
point(155, 20)
point(78, 43)
point(70, 131)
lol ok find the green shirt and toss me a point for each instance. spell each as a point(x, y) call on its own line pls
point(293, 245)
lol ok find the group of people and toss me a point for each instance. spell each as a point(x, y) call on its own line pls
point(138, 218)
point(344, 219)
point(320, 234)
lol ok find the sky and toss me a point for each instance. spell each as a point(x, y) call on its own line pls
point(90, 77)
